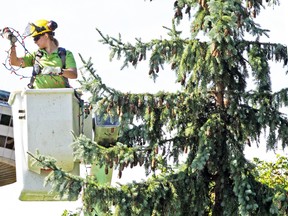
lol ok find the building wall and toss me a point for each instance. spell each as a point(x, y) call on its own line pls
point(7, 153)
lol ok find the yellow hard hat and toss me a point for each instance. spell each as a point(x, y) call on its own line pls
point(42, 26)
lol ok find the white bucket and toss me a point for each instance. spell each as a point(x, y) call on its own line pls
point(43, 120)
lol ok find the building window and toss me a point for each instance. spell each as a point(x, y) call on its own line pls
point(10, 143)
point(6, 142)
point(2, 141)
point(5, 119)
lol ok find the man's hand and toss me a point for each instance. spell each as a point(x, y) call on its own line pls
point(51, 70)
point(9, 35)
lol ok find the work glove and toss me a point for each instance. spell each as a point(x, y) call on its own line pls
point(36, 70)
point(52, 70)
point(6, 33)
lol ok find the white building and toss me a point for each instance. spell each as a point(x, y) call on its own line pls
point(7, 154)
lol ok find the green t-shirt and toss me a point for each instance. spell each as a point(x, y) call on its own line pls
point(53, 60)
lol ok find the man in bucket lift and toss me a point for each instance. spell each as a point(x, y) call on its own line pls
point(52, 65)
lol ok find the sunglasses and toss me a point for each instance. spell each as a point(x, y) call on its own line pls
point(37, 37)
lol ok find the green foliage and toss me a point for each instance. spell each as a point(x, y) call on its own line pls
point(69, 213)
point(190, 142)
point(275, 175)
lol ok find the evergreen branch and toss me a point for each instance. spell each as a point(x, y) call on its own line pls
point(63, 183)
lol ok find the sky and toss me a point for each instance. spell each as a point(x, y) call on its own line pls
point(77, 23)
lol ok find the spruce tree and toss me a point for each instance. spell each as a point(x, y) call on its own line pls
point(190, 142)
